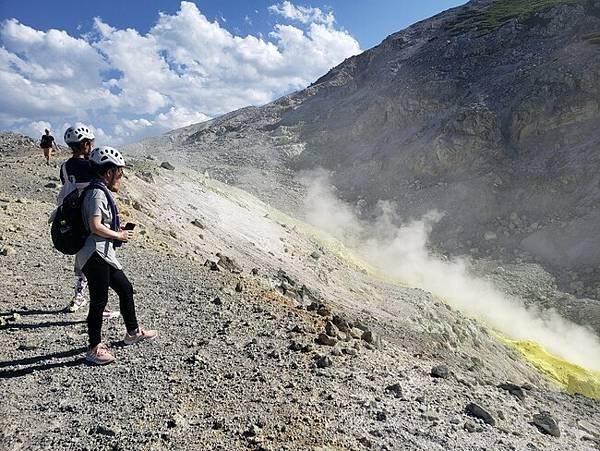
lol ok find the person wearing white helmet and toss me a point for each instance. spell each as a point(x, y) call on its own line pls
point(77, 173)
point(97, 259)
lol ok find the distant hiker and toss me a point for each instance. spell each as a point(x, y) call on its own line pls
point(97, 259)
point(77, 173)
point(46, 143)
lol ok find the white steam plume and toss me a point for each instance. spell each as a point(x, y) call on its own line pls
point(402, 252)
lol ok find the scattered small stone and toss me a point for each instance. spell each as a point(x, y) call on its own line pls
point(323, 361)
point(326, 340)
point(440, 371)
point(254, 271)
point(176, 420)
point(316, 255)
point(50, 185)
point(28, 346)
point(217, 301)
point(167, 165)
point(395, 389)
point(470, 426)
point(239, 287)
point(218, 424)
point(330, 329)
point(197, 223)
point(7, 251)
point(212, 265)
point(341, 323)
point(229, 264)
point(476, 411)
point(350, 351)
point(323, 311)
point(431, 415)
point(513, 389)
point(103, 430)
point(336, 351)
point(381, 416)
point(369, 337)
point(252, 431)
point(546, 424)
point(364, 441)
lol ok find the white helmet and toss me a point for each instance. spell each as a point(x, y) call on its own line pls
point(77, 133)
point(104, 155)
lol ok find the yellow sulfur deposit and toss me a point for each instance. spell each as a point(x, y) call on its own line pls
point(573, 378)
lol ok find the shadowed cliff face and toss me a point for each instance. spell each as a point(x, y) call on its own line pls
point(488, 112)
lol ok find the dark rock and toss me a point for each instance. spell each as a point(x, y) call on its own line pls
point(381, 416)
point(440, 371)
point(103, 430)
point(217, 301)
point(546, 424)
point(50, 185)
point(341, 323)
point(323, 310)
point(167, 165)
point(212, 265)
point(254, 271)
point(229, 264)
point(323, 361)
point(316, 255)
point(146, 176)
point(476, 411)
point(197, 223)
point(8, 250)
point(239, 287)
point(326, 340)
point(395, 389)
point(513, 389)
point(369, 337)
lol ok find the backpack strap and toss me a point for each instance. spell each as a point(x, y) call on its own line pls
point(115, 224)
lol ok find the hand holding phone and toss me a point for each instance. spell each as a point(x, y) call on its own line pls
point(129, 226)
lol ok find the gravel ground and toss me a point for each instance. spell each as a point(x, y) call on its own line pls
point(238, 364)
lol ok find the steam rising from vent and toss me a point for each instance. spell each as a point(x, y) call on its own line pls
point(402, 252)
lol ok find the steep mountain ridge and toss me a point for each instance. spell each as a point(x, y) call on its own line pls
point(487, 112)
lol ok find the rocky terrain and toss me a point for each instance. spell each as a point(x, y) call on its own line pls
point(271, 337)
point(488, 112)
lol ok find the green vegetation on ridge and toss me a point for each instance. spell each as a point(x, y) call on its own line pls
point(501, 12)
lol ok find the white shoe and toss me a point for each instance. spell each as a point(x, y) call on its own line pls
point(76, 303)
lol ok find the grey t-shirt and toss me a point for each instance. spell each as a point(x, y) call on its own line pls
point(95, 203)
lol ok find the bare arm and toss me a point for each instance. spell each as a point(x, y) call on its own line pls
point(97, 228)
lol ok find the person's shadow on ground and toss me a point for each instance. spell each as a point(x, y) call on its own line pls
point(31, 361)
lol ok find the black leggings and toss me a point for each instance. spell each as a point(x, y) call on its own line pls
point(100, 276)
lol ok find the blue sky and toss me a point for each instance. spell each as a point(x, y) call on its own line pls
point(368, 21)
point(130, 72)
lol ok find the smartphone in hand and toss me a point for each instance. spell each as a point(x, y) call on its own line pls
point(129, 226)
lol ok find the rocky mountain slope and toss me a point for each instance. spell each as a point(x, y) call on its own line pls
point(488, 112)
point(271, 337)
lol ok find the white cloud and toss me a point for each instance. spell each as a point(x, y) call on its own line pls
point(303, 14)
point(186, 69)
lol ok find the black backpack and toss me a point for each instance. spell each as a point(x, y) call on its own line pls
point(45, 142)
point(68, 231)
